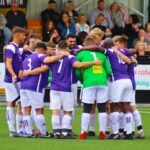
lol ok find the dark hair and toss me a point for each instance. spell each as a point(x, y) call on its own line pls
point(71, 36)
point(81, 37)
point(18, 30)
point(51, 2)
point(62, 17)
point(135, 18)
point(41, 45)
point(62, 44)
point(99, 1)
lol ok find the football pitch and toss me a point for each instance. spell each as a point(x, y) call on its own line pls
point(7, 143)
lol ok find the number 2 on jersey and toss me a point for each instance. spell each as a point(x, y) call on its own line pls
point(60, 66)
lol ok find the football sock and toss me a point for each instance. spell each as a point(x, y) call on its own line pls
point(92, 122)
point(85, 122)
point(56, 124)
point(71, 121)
point(102, 118)
point(128, 122)
point(108, 123)
point(19, 122)
point(65, 124)
point(27, 124)
point(40, 123)
point(137, 119)
point(115, 122)
point(10, 118)
point(121, 121)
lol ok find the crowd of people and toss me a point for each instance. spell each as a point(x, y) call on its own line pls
point(97, 53)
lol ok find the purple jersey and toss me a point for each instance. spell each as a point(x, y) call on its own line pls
point(13, 52)
point(61, 74)
point(130, 70)
point(119, 68)
point(34, 82)
point(26, 54)
point(74, 76)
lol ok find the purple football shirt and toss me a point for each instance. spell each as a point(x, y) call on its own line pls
point(61, 74)
point(13, 51)
point(74, 76)
point(119, 68)
point(130, 70)
point(34, 82)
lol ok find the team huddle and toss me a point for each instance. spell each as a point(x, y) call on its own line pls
point(105, 69)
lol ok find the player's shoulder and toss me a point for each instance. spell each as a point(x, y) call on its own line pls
point(71, 56)
point(10, 47)
point(41, 55)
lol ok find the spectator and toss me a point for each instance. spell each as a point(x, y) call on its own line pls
point(147, 33)
point(99, 24)
point(55, 37)
point(82, 25)
point(80, 37)
point(4, 30)
point(15, 17)
point(70, 9)
point(141, 37)
point(100, 9)
point(49, 14)
point(140, 48)
point(131, 29)
point(66, 27)
point(48, 30)
point(117, 19)
point(5, 35)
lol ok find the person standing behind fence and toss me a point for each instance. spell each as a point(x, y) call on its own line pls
point(15, 17)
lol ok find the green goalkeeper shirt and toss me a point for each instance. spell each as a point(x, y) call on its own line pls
point(94, 75)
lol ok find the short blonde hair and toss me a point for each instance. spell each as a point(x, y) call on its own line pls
point(97, 31)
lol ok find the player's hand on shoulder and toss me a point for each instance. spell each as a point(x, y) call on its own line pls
point(66, 53)
point(26, 73)
point(26, 48)
point(97, 62)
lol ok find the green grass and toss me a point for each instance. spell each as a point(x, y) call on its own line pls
point(7, 143)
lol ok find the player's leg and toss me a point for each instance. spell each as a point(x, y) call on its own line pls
point(55, 106)
point(89, 95)
point(19, 120)
point(115, 94)
point(11, 97)
point(91, 131)
point(108, 123)
point(26, 107)
point(68, 107)
point(125, 104)
point(101, 98)
point(136, 117)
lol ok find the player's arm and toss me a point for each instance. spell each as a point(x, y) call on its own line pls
point(79, 73)
point(36, 71)
point(91, 48)
point(124, 57)
point(53, 59)
point(10, 69)
point(107, 67)
point(78, 64)
point(133, 59)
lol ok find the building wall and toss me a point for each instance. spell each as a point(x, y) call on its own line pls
point(36, 6)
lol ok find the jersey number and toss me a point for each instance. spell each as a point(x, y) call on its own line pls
point(60, 66)
point(29, 63)
point(120, 60)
